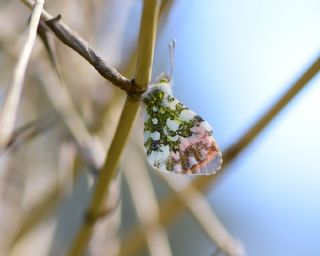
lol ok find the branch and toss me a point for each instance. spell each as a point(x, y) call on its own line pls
point(171, 206)
point(74, 41)
point(11, 102)
point(47, 38)
point(90, 148)
point(131, 108)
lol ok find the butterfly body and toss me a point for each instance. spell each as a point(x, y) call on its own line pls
point(176, 139)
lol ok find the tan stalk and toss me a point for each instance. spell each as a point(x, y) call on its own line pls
point(11, 103)
point(146, 44)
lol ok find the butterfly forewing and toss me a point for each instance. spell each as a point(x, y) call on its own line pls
point(176, 139)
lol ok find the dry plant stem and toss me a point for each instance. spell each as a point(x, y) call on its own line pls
point(48, 41)
point(11, 102)
point(146, 44)
point(92, 151)
point(146, 204)
point(249, 136)
point(42, 208)
point(171, 206)
point(201, 211)
point(74, 41)
point(44, 15)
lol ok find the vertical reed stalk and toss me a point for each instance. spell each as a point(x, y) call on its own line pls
point(147, 36)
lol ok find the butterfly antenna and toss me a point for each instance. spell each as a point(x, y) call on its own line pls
point(172, 46)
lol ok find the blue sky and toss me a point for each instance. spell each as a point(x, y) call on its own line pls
point(233, 59)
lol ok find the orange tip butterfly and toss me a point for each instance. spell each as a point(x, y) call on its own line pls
point(176, 139)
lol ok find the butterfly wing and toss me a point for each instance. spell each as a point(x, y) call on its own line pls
point(176, 139)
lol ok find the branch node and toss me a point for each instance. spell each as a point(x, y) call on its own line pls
point(54, 19)
point(135, 91)
point(91, 218)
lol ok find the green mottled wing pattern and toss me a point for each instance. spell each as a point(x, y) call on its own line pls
point(176, 139)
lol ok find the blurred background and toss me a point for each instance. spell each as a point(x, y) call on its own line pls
point(233, 60)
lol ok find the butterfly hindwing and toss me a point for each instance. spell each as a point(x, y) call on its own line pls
point(176, 139)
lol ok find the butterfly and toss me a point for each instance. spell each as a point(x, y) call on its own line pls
point(176, 139)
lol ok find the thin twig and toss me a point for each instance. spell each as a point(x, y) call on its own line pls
point(146, 44)
point(74, 41)
point(41, 209)
point(92, 151)
point(258, 126)
point(11, 102)
point(171, 206)
point(146, 204)
point(47, 39)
